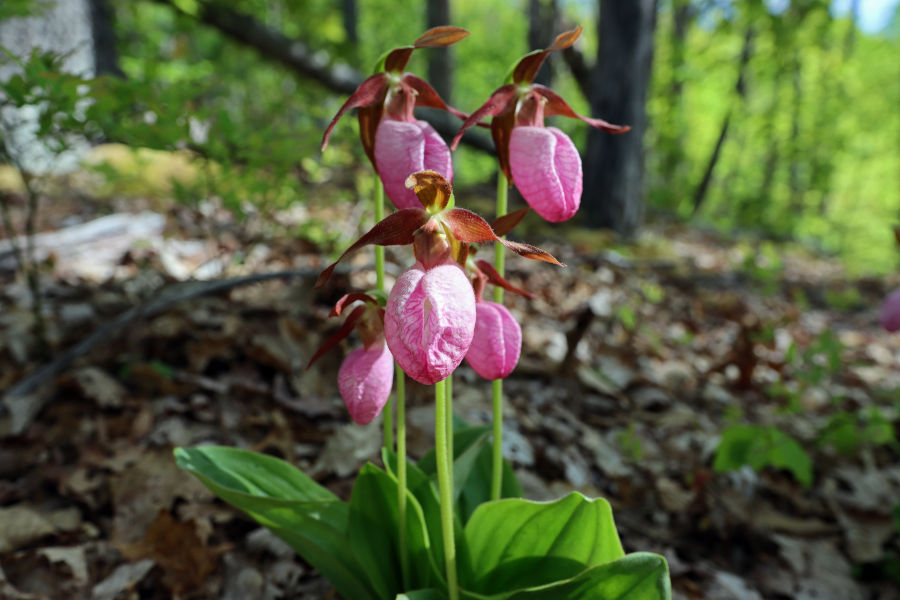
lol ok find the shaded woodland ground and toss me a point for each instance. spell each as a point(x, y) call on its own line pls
point(635, 359)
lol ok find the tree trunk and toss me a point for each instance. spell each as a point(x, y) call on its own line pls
point(106, 57)
point(541, 31)
point(440, 63)
point(614, 165)
point(64, 28)
point(350, 15)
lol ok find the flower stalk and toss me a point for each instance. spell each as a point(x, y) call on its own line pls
point(497, 384)
point(400, 384)
point(445, 485)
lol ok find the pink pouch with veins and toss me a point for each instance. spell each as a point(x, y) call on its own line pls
point(404, 147)
point(497, 341)
point(365, 380)
point(429, 321)
point(546, 168)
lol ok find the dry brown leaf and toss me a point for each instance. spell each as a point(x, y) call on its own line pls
point(178, 549)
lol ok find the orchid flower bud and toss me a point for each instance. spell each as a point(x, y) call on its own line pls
point(429, 320)
point(365, 379)
point(546, 167)
point(496, 343)
point(404, 147)
point(890, 312)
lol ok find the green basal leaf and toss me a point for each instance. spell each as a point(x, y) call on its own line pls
point(472, 469)
point(425, 492)
point(373, 533)
point(637, 576)
point(519, 544)
point(476, 489)
point(311, 519)
point(430, 594)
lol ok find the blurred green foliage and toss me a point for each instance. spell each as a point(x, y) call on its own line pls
point(811, 151)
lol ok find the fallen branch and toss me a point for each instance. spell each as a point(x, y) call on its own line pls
point(22, 405)
point(302, 60)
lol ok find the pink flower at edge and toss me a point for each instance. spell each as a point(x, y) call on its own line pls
point(365, 380)
point(546, 167)
point(497, 341)
point(890, 312)
point(430, 320)
point(404, 147)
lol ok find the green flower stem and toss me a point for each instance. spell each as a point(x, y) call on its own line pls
point(445, 485)
point(449, 382)
point(400, 384)
point(497, 448)
point(497, 384)
point(388, 421)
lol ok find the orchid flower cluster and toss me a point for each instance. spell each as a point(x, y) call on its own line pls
point(461, 505)
point(434, 317)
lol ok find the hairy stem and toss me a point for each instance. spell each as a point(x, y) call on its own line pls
point(497, 384)
point(445, 486)
point(388, 421)
point(400, 384)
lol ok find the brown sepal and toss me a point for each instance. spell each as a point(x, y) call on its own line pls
point(397, 59)
point(437, 37)
point(339, 335)
point(497, 279)
point(371, 91)
point(528, 67)
point(496, 104)
point(428, 97)
point(396, 229)
point(348, 299)
point(506, 223)
point(557, 106)
point(501, 130)
point(466, 226)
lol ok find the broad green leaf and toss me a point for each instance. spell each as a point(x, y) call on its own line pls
point(425, 491)
point(638, 576)
point(373, 533)
point(251, 472)
point(517, 544)
point(472, 470)
point(476, 488)
point(311, 519)
point(430, 594)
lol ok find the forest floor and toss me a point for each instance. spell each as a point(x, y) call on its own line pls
point(635, 360)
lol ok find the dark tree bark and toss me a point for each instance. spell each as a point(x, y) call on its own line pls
point(106, 57)
point(541, 31)
point(299, 58)
point(440, 62)
point(614, 164)
point(350, 14)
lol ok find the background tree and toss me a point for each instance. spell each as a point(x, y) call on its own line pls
point(614, 165)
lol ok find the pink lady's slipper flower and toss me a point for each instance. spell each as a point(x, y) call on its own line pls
point(396, 142)
point(430, 315)
point(366, 374)
point(890, 312)
point(497, 341)
point(542, 162)
point(430, 319)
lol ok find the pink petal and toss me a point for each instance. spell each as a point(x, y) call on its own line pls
point(365, 379)
point(497, 341)
point(404, 147)
point(429, 321)
point(890, 312)
point(546, 167)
